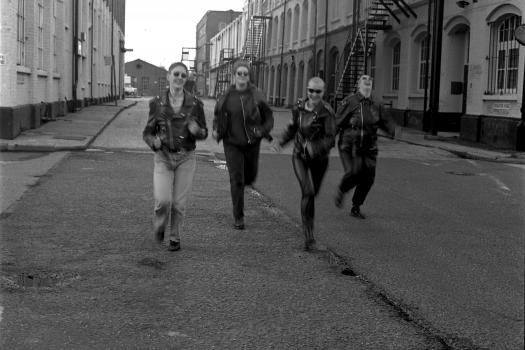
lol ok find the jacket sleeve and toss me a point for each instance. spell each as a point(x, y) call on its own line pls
point(149, 132)
point(266, 115)
point(386, 123)
point(290, 129)
point(201, 120)
point(341, 117)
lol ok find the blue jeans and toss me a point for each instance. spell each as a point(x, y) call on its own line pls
point(172, 181)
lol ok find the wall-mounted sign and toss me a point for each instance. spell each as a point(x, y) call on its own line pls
point(519, 33)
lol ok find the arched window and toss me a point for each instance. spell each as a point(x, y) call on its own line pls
point(295, 34)
point(423, 54)
point(396, 59)
point(504, 56)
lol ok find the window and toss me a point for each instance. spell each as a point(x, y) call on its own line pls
point(40, 30)
point(396, 58)
point(145, 83)
point(20, 34)
point(423, 54)
point(503, 58)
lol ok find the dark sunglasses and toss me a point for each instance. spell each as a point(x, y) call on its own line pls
point(242, 74)
point(182, 75)
point(314, 90)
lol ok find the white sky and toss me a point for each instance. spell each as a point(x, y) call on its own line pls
point(157, 30)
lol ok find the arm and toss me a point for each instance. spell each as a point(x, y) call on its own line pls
point(267, 117)
point(290, 130)
point(200, 132)
point(149, 133)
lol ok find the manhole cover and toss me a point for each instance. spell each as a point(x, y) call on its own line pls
point(151, 262)
point(460, 173)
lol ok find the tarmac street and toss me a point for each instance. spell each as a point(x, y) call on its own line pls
point(438, 264)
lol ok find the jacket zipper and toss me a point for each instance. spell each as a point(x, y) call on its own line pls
point(244, 118)
point(362, 124)
point(300, 130)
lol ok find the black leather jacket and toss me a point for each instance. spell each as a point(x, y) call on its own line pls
point(357, 121)
point(258, 116)
point(171, 127)
point(316, 127)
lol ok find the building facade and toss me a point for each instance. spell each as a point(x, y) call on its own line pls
point(149, 79)
point(210, 24)
point(481, 76)
point(57, 56)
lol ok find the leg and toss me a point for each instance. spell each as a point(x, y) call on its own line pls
point(251, 164)
point(182, 183)
point(366, 180)
point(352, 167)
point(307, 198)
point(162, 189)
point(235, 162)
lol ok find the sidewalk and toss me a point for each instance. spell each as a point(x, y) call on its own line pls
point(72, 132)
point(76, 131)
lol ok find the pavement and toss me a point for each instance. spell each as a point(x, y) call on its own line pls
point(76, 131)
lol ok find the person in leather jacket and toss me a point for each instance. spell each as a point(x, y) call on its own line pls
point(176, 120)
point(358, 120)
point(313, 130)
point(242, 118)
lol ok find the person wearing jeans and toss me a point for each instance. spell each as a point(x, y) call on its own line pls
point(242, 119)
point(175, 122)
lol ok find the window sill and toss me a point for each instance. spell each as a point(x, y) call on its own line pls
point(57, 76)
point(23, 70)
point(41, 73)
point(335, 20)
point(390, 95)
point(416, 95)
point(509, 97)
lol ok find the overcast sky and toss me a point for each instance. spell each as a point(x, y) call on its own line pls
point(157, 30)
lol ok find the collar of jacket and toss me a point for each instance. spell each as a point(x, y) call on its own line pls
point(188, 98)
point(362, 98)
point(317, 109)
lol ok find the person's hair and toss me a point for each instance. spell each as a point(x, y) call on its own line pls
point(241, 63)
point(316, 80)
point(177, 64)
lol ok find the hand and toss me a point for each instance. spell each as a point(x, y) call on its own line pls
point(257, 132)
point(214, 134)
point(156, 143)
point(193, 127)
point(276, 147)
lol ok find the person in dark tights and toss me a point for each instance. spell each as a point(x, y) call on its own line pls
point(357, 120)
point(313, 130)
point(242, 118)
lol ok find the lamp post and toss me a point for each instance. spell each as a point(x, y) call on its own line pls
point(519, 33)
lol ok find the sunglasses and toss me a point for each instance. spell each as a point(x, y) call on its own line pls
point(242, 74)
point(182, 75)
point(314, 90)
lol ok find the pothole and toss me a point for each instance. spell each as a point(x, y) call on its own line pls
point(460, 173)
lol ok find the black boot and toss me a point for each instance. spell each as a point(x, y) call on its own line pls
point(356, 212)
point(309, 241)
point(338, 199)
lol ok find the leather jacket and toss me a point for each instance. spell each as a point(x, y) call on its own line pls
point(172, 128)
point(357, 121)
point(258, 116)
point(316, 127)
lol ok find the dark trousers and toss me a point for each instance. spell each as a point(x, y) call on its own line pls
point(242, 162)
point(309, 173)
point(360, 172)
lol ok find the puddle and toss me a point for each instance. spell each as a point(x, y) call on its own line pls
point(460, 173)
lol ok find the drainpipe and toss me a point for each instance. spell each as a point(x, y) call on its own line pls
point(425, 97)
point(436, 65)
point(75, 55)
point(314, 60)
point(325, 38)
point(91, 53)
point(282, 52)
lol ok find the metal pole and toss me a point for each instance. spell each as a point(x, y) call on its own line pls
point(325, 39)
point(436, 66)
point(282, 53)
point(427, 53)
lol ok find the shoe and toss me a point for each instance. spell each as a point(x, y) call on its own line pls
point(356, 213)
point(310, 245)
point(174, 246)
point(239, 224)
point(159, 236)
point(339, 199)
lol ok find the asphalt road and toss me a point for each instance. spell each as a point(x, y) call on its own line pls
point(443, 243)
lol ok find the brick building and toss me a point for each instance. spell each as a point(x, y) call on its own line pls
point(210, 24)
point(57, 56)
point(481, 63)
point(149, 79)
